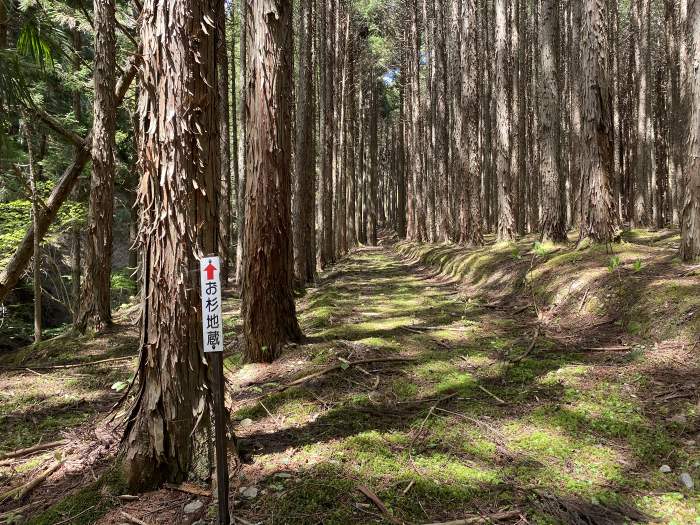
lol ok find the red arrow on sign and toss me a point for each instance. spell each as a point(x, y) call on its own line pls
point(210, 271)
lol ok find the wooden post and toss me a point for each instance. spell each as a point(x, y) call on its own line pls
point(217, 363)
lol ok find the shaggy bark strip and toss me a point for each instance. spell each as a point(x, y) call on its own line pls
point(179, 154)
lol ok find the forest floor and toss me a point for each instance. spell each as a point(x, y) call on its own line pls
point(518, 383)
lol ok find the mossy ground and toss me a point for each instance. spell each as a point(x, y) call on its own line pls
point(479, 420)
point(579, 425)
point(40, 406)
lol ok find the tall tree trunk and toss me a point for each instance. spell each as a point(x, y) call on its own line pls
point(328, 142)
point(677, 127)
point(596, 130)
point(36, 261)
point(243, 175)
point(222, 79)
point(506, 220)
point(76, 229)
point(373, 159)
point(442, 153)
point(351, 142)
point(690, 225)
point(641, 162)
point(553, 227)
point(95, 307)
point(521, 115)
point(468, 150)
point(661, 131)
point(179, 154)
point(486, 111)
point(267, 308)
point(341, 168)
point(535, 153)
point(305, 157)
point(413, 139)
point(401, 164)
point(235, 157)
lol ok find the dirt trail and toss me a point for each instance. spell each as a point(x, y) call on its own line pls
point(481, 419)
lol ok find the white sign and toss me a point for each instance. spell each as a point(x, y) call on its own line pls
point(212, 322)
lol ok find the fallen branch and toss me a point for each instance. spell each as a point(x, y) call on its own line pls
point(489, 518)
point(70, 365)
point(71, 518)
point(31, 450)
point(492, 395)
point(529, 348)
point(607, 348)
point(132, 519)
point(13, 513)
point(413, 330)
point(333, 368)
point(583, 300)
point(22, 491)
point(189, 488)
point(378, 503)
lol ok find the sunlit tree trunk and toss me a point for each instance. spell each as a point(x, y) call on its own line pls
point(235, 144)
point(596, 130)
point(95, 308)
point(179, 157)
point(442, 152)
point(222, 78)
point(677, 121)
point(641, 162)
point(413, 161)
point(553, 227)
point(506, 220)
point(267, 308)
point(243, 174)
point(351, 144)
point(467, 123)
point(690, 224)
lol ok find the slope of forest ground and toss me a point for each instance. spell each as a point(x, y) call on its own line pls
point(528, 382)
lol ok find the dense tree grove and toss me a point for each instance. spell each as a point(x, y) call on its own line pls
point(281, 135)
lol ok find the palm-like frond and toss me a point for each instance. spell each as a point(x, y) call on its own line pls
point(32, 43)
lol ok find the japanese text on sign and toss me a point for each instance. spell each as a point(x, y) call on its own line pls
point(212, 323)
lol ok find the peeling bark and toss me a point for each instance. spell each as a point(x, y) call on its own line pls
point(179, 156)
point(690, 222)
point(267, 308)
